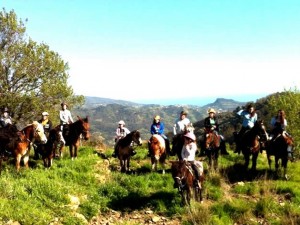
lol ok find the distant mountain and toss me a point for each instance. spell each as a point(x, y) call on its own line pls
point(105, 113)
point(97, 101)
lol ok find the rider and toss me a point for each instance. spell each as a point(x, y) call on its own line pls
point(188, 154)
point(249, 118)
point(158, 127)
point(47, 125)
point(121, 132)
point(181, 123)
point(65, 119)
point(46, 122)
point(5, 118)
point(278, 124)
point(211, 124)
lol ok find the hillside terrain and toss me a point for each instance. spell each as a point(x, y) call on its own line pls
point(105, 113)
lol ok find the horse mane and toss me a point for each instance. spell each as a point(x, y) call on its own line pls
point(127, 139)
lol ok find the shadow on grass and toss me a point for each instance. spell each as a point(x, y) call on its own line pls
point(134, 201)
point(238, 172)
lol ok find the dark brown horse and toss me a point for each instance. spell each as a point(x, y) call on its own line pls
point(212, 146)
point(250, 142)
point(72, 133)
point(124, 148)
point(178, 141)
point(47, 151)
point(184, 181)
point(281, 147)
point(19, 143)
point(177, 144)
point(158, 153)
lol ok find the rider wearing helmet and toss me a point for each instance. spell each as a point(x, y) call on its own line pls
point(121, 132)
point(188, 153)
point(65, 118)
point(211, 124)
point(158, 127)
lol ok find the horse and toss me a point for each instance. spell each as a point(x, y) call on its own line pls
point(184, 181)
point(47, 150)
point(281, 147)
point(212, 144)
point(158, 153)
point(19, 143)
point(72, 133)
point(124, 149)
point(178, 141)
point(250, 143)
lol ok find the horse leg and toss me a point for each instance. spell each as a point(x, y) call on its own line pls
point(71, 152)
point(247, 159)
point(26, 161)
point(128, 164)
point(254, 160)
point(284, 162)
point(18, 161)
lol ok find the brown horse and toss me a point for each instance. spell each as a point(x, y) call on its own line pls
point(184, 180)
point(250, 142)
point(124, 148)
point(47, 151)
point(281, 147)
point(157, 151)
point(19, 143)
point(212, 147)
point(72, 133)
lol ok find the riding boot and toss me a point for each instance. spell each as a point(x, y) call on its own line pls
point(149, 154)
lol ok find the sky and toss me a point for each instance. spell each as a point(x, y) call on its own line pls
point(170, 51)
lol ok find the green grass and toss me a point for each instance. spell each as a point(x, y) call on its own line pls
point(232, 195)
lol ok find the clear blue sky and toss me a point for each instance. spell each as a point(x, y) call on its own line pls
point(156, 51)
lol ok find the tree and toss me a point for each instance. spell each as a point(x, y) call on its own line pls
point(33, 78)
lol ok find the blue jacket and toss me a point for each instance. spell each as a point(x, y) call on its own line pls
point(157, 128)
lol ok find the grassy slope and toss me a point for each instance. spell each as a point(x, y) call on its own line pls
point(72, 192)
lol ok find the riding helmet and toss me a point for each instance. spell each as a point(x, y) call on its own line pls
point(190, 136)
point(157, 117)
point(45, 114)
point(121, 122)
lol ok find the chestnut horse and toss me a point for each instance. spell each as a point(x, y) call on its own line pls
point(250, 143)
point(72, 133)
point(19, 144)
point(281, 147)
point(157, 151)
point(184, 180)
point(212, 147)
point(124, 149)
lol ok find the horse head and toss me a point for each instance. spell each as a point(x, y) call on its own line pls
point(212, 140)
point(84, 127)
point(38, 132)
point(136, 137)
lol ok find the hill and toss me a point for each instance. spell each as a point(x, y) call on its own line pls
point(105, 114)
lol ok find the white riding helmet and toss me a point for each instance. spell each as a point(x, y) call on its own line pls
point(121, 122)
